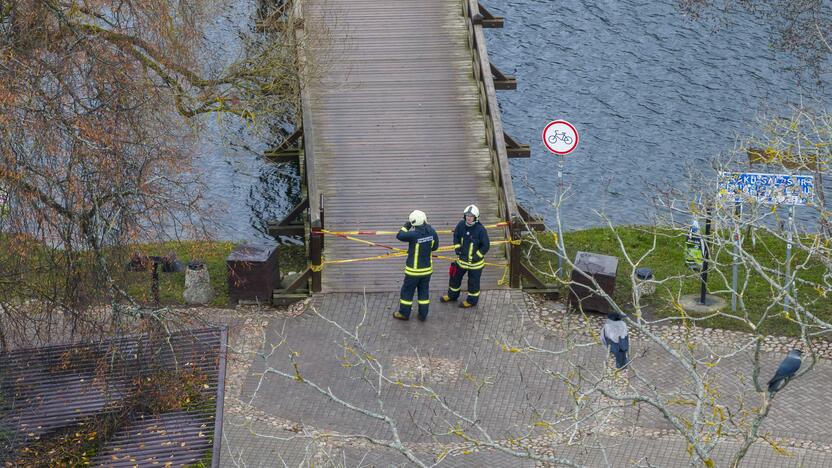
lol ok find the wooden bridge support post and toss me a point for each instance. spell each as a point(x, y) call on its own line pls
point(515, 254)
point(315, 249)
point(316, 246)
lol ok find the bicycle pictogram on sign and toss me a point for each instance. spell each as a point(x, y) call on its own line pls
point(560, 137)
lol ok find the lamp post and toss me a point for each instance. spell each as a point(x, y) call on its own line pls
point(703, 291)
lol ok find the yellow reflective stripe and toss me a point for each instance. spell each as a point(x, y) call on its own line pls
point(413, 273)
point(416, 257)
point(471, 252)
point(471, 266)
point(423, 302)
point(417, 271)
point(480, 253)
point(455, 289)
point(456, 246)
point(404, 229)
point(402, 301)
point(473, 294)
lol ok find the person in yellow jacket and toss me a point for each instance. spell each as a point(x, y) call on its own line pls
point(471, 244)
point(422, 241)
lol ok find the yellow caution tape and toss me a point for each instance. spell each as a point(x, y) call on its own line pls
point(366, 259)
point(397, 252)
point(386, 256)
point(392, 233)
point(503, 280)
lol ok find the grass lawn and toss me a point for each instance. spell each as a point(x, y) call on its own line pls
point(39, 267)
point(667, 261)
point(213, 254)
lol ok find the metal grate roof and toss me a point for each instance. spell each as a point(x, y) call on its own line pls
point(51, 391)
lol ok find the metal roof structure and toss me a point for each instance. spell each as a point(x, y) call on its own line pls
point(139, 400)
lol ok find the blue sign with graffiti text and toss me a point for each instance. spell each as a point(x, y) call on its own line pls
point(770, 189)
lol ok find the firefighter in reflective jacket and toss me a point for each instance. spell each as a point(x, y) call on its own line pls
point(418, 267)
point(471, 244)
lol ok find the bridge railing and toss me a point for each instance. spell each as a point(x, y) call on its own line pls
point(494, 135)
point(315, 210)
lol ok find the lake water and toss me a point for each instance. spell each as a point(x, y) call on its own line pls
point(650, 91)
point(243, 190)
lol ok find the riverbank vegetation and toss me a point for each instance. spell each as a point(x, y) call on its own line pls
point(100, 105)
point(41, 270)
point(662, 250)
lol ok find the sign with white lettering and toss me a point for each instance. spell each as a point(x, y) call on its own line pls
point(770, 189)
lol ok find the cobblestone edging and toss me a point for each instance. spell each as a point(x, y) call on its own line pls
point(553, 316)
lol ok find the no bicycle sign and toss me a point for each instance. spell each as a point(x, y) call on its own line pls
point(560, 137)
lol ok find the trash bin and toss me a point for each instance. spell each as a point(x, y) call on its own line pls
point(603, 269)
point(644, 282)
point(252, 273)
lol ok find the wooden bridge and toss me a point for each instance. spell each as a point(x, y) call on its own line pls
point(399, 113)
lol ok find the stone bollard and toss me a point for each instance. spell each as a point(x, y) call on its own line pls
point(644, 281)
point(198, 288)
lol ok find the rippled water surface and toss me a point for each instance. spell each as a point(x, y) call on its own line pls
point(243, 189)
point(650, 91)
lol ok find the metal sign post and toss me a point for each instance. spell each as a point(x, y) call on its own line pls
point(560, 234)
point(735, 266)
point(561, 138)
point(788, 259)
point(769, 189)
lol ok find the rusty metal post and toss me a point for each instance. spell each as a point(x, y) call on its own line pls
point(154, 283)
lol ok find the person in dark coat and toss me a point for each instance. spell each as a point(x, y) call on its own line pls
point(422, 242)
point(615, 337)
point(471, 243)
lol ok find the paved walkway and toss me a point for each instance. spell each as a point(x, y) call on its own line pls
point(457, 351)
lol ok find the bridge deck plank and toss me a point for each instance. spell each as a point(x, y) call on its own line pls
point(397, 128)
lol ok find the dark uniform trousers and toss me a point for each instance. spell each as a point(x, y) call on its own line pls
point(412, 284)
point(418, 267)
point(471, 244)
point(455, 283)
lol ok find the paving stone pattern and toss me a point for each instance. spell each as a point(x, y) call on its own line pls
point(453, 351)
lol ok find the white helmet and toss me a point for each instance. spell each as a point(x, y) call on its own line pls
point(472, 210)
point(417, 218)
